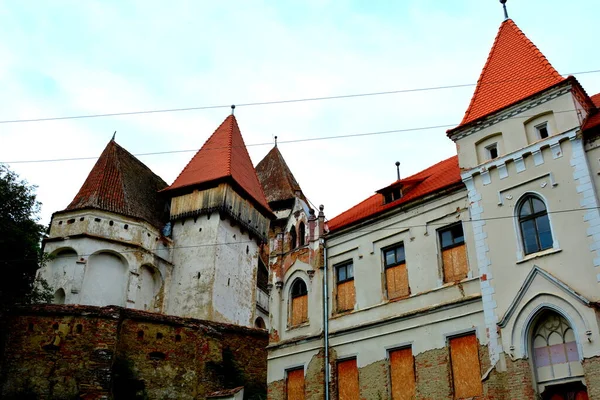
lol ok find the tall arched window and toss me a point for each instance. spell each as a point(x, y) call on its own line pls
point(299, 301)
point(301, 234)
point(534, 225)
point(293, 237)
point(555, 354)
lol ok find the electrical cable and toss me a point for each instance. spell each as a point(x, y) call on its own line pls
point(422, 128)
point(264, 103)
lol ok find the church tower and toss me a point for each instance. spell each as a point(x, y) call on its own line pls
point(220, 219)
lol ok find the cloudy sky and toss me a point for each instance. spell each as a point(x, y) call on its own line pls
point(70, 58)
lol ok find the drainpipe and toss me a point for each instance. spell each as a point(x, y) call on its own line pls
point(325, 300)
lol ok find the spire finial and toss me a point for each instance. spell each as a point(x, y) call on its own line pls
point(398, 169)
point(275, 141)
point(232, 108)
point(114, 134)
point(504, 7)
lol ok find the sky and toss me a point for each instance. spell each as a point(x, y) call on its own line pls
point(73, 58)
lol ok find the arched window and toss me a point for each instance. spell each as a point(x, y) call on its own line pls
point(555, 354)
point(260, 323)
point(534, 225)
point(301, 234)
point(292, 237)
point(59, 296)
point(299, 311)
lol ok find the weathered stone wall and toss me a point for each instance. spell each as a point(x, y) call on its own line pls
point(591, 368)
point(433, 374)
point(69, 352)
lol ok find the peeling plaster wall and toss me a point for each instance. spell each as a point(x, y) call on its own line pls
point(194, 259)
point(215, 270)
point(236, 263)
point(81, 242)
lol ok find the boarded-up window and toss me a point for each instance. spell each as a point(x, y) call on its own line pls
point(295, 384)
point(402, 373)
point(396, 274)
point(466, 372)
point(454, 253)
point(348, 380)
point(299, 311)
point(345, 286)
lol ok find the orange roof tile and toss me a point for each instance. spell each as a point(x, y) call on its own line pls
point(223, 156)
point(593, 120)
point(515, 69)
point(442, 175)
point(122, 184)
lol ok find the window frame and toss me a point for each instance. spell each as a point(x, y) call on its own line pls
point(490, 149)
point(539, 127)
point(533, 216)
point(298, 281)
point(450, 228)
point(393, 247)
point(344, 265)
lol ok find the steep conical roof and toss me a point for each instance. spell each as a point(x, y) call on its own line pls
point(122, 184)
point(223, 156)
point(276, 178)
point(515, 69)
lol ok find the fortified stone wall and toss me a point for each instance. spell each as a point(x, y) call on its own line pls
point(69, 352)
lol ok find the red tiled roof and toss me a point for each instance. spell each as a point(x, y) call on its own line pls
point(593, 120)
point(437, 177)
point(277, 180)
point(515, 69)
point(223, 156)
point(122, 184)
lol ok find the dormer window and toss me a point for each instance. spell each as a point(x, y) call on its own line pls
point(492, 151)
point(542, 130)
point(392, 195)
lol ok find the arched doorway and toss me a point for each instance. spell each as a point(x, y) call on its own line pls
point(555, 357)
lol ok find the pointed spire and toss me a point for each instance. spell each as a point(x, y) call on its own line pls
point(113, 137)
point(504, 7)
point(223, 157)
point(276, 177)
point(122, 184)
point(515, 69)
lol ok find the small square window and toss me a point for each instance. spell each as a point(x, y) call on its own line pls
point(492, 151)
point(542, 130)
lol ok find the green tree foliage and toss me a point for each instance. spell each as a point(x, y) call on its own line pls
point(20, 236)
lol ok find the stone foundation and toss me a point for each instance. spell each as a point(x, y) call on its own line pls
point(72, 352)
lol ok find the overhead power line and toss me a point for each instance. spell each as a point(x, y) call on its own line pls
point(265, 103)
point(401, 227)
point(352, 135)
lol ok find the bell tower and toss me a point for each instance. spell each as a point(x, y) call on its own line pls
point(219, 218)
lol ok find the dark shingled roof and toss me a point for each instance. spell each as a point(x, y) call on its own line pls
point(275, 176)
point(122, 184)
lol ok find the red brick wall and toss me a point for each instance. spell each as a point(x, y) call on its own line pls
point(71, 351)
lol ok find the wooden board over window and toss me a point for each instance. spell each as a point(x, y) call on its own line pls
point(299, 310)
point(466, 371)
point(402, 373)
point(455, 263)
point(348, 380)
point(295, 384)
point(345, 296)
point(397, 281)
